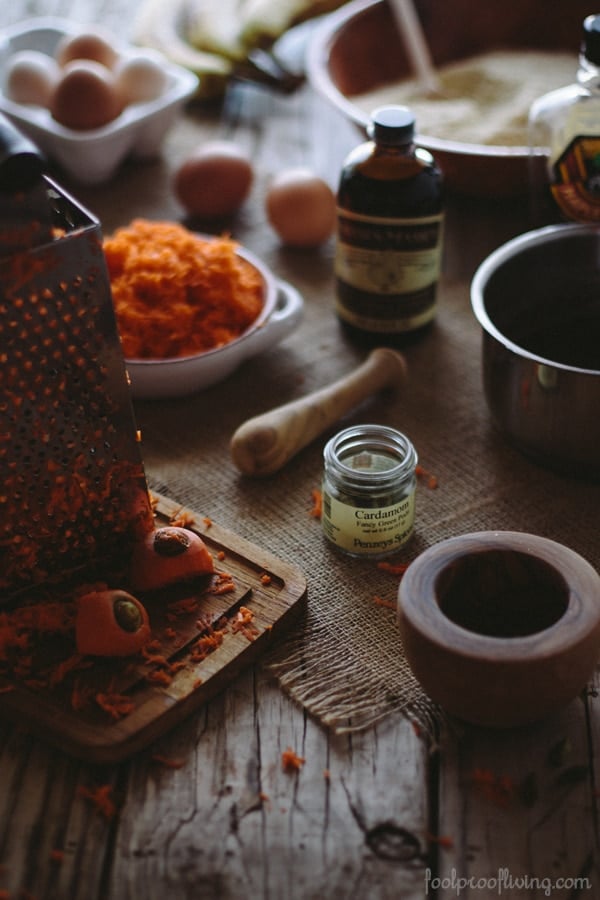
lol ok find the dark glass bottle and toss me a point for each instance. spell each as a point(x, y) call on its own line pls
point(389, 234)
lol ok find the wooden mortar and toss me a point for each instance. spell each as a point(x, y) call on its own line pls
point(500, 628)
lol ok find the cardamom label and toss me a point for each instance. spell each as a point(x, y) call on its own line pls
point(364, 531)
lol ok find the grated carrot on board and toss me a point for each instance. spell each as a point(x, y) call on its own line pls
point(116, 705)
point(178, 294)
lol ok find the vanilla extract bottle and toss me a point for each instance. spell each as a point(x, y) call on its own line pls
point(389, 233)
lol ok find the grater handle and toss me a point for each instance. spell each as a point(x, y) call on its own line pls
point(21, 162)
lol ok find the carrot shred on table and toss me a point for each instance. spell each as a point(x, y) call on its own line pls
point(381, 601)
point(101, 797)
point(498, 789)
point(316, 509)
point(290, 761)
point(168, 761)
point(176, 293)
point(424, 475)
point(393, 568)
point(265, 578)
point(442, 840)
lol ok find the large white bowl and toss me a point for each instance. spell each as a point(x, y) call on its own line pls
point(180, 376)
point(91, 156)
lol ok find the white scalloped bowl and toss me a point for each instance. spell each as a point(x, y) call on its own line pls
point(91, 156)
point(175, 377)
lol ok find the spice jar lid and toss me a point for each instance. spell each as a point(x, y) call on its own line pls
point(370, 456)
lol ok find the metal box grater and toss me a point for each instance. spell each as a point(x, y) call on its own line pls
point(73, 494)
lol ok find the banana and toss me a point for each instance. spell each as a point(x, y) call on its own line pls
point(214, 26)
point(163, 26)
point(211, 36)
point(263, 21)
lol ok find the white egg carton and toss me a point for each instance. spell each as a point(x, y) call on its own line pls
point(93, 156)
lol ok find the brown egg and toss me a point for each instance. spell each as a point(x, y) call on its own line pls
point(92, 43)
point(215, 180)
point(301, 207)
point(86, 96)
point(30, 77)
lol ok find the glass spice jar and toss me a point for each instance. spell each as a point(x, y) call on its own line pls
point(368, 490)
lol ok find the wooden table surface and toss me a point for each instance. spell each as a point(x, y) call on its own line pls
point(396, 816)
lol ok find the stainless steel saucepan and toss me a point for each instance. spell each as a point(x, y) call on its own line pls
point(537, 299)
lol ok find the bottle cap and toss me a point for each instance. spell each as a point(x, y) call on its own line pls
point(392, 124)
point(590, 45)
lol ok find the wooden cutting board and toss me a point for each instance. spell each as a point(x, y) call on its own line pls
point(201, 640)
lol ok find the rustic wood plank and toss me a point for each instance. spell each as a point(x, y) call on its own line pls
point(231, 823)
point(519, 804)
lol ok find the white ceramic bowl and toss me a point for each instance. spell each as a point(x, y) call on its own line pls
point(91, 156)
point(176, 377)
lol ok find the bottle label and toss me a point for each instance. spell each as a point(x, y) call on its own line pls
point(576, 180)
point(371, 531)
point(387, 270)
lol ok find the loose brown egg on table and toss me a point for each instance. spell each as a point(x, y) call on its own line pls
point(86, 96)
point(301, 207)
point(92, 43)
point(214, 181)
point(30, 77)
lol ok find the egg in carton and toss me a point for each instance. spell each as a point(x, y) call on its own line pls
point(88, 115)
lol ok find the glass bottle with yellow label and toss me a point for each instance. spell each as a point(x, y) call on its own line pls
point(389, 232)
point(564, 140)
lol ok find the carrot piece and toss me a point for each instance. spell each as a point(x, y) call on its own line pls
point(110, 623)
point(169, 555)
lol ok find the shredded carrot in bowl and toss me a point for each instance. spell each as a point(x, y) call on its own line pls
point(176, 293)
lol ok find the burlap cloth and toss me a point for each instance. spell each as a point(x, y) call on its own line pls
point(345, 662)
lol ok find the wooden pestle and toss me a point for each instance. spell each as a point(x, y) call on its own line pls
point(264, 444)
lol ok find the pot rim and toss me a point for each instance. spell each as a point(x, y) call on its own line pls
point(492, 263)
